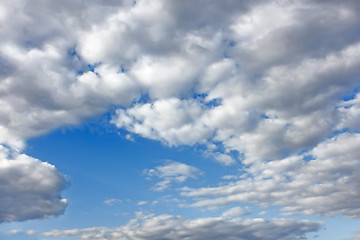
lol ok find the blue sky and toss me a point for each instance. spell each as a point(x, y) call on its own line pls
point(179, 120)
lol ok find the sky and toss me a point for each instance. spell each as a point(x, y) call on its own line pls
point(165, 119)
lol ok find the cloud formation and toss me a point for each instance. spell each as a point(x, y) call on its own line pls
point(77, 69)
point(29, 188)
point(176, 227)
point(170, 172)
point(326, 184)
point(275, 81)
point(236, 211)
point(112, 201)
point(255, 84)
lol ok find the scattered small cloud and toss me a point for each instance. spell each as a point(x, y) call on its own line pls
point(171, 171)
point(230, 177)
point(15, 231)
point(112, 201)
point(31, 232)
point(262, 213)
point(141, 203)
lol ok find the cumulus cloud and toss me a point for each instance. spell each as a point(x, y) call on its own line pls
point(30, 189)
point(276, 91)
point(170, 172)
point(170, 120)
point(45, 83)
point(176, 227)
point(255, 83)
point(327, 184)
point(279, 115)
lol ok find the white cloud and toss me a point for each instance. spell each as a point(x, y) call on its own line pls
point(112, 201)
point(292, 70)
point(278, 115)
point(30, 188)
point(176, 227)
point(326, 185)
point(236, 211)
point(230, 177)
point(349, 112)
point(31, 232)
point(222, 158)
point(41, 88)
point(141, 203)
point(170, 172)
point(15, 231)
point(172, 121)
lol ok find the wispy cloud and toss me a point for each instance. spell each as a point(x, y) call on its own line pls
point(141, 203)
point(112, 201)
point(170, 172)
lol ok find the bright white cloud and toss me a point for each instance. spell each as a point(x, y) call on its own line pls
point(176, 227)
point(170, 120)
point(170, 172)
point(30, 188)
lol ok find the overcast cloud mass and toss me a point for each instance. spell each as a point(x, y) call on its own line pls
point(271, 85)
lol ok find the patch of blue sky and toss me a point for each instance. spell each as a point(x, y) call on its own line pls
point(102, 165)
point(144, 98)
point(92, 67)
point(349, 95)
point(77, 64)
point(330, 229)
point(213, 103)
point(201, 97)
point(122, 69)
point(228, 44)
point(308, 158)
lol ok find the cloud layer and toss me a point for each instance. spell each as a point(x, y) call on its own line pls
point(176, 227)
point(78, 65)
